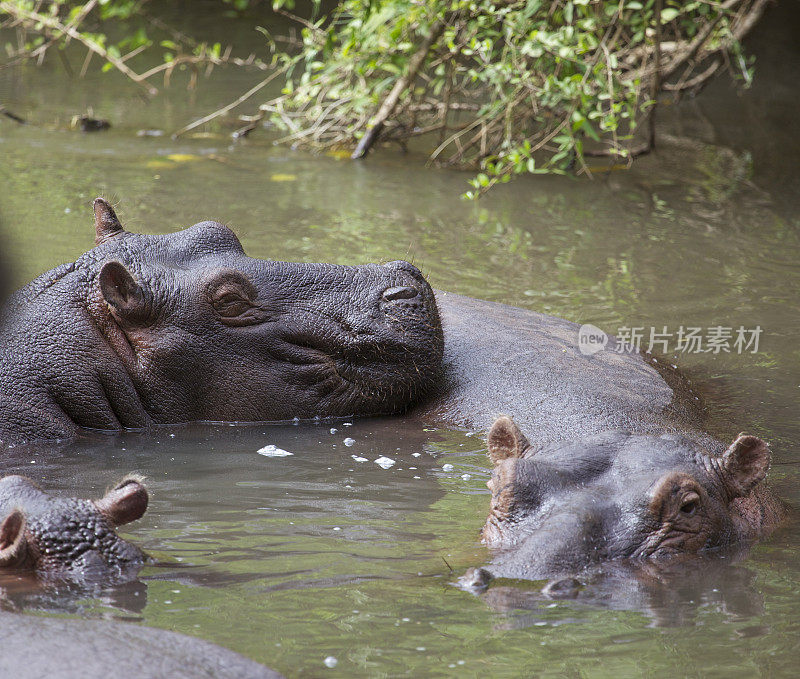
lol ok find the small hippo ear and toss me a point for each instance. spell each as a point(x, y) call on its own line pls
point(506, 440)
point(746, 463)
point(124, 503)
point(106, 224)
point(123, 294)
point(12, 539)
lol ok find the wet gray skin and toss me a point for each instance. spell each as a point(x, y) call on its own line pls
point(146, 330)
point(499, 358)
point(35, 647)
point(69, 537)
point(558, 509)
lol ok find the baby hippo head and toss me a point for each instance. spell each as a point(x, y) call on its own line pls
point(68, 536)
point(563, 507)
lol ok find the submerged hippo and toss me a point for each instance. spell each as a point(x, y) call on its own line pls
point(36, 647)
point(145, 330)
point(76, 539)
point(66, 536)
point(558, 509)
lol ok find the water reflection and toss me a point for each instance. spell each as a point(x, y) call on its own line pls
point(223, 513)
point(668, 596)
point(120, 598)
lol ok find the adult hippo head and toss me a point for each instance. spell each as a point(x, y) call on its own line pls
point(562, 508)
point(68, 536)
point(183, 327)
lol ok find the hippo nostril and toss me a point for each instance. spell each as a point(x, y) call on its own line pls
point(400, 292)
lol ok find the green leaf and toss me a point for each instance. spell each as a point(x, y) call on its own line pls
point(669, 14)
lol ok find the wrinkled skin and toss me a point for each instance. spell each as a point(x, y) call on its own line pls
point(557, 509)
point(148, 330)
point(68, 537)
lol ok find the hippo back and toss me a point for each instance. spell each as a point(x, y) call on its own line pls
point(35, 647)
point(502, 359)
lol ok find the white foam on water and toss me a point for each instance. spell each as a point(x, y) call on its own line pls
point(274, 451)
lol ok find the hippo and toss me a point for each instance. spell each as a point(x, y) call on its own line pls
point(560, 509)
point(153, 330)
point(69, 537)
point(36, 646)
point(75, 539)
point(499, 358)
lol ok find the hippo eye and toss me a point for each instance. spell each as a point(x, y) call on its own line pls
point(237, 311)
point(690, 504)
point(231, 305)
point(232, 297)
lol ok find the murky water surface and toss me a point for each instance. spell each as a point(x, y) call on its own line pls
point(290, 560)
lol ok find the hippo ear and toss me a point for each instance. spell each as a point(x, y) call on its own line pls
point(12, 539)
point(506, 440)
point(122, 293)
point(745, 464)
point(125, 502)
point(106, 224)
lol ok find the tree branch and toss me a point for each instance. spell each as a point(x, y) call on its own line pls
point(389, 104)
point(72, 32)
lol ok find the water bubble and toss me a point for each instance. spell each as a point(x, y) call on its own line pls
point(331, 662)
point(466, 477)
point(447, 467)
point(385, 462)
point(359, 459)
point(334, 430)
point(349, 442)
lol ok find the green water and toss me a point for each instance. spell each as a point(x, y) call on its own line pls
point(705, 232)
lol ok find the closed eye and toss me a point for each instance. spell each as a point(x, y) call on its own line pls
point(233, 300)
point(231, 305)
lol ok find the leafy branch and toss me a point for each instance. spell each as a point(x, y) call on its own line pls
point(504, 86)
point(42, 25)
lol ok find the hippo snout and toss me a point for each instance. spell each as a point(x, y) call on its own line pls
point(408, 267)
